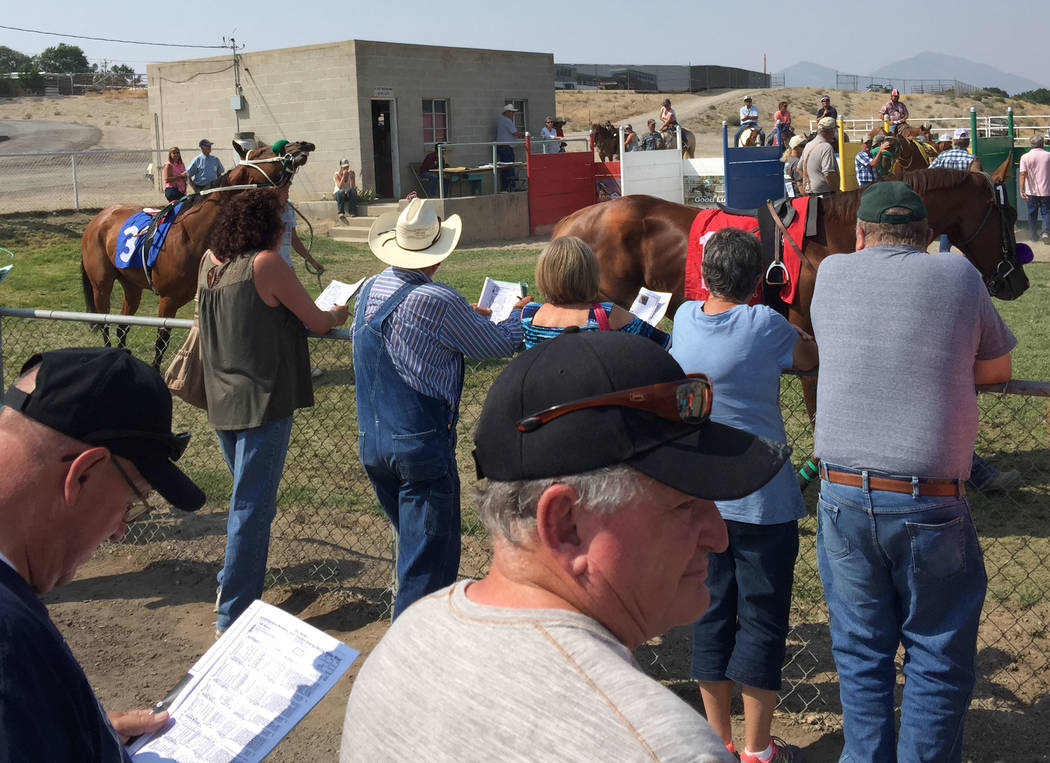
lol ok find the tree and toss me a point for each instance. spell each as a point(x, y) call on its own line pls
point(1042, 95)
point(11, 60)
point(123, 73)
point(31, 80)
point(997, 91)
point(63, 59)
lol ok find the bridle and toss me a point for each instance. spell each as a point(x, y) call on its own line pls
point(287, 167)
point(1007, 263)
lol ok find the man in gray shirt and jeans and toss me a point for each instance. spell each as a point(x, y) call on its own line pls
point(895, 427)
point(601, 468)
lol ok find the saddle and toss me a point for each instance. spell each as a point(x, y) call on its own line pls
point(142, 235)
point(796, 218)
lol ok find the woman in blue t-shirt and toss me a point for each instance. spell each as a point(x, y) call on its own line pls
point(567, 275)
point(743, 348)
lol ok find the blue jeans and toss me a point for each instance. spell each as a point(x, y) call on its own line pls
point(430, 183)
point(256, 460)
point(1038, 205)
point(507, 175)
point(407, 445)
point(742, 635)
point(945, 244)
point(900, 569)
point(346, 200)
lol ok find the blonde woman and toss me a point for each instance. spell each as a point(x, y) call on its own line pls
point(567, 274)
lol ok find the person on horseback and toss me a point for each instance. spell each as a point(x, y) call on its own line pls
point(782, 130)
point(651, 140)
point(749, 119)
point(894, 110)
point(668, 122)
point(826, 109)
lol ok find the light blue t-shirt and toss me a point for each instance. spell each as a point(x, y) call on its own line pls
point(744, 350)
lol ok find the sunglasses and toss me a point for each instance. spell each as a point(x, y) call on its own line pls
point(137, 510)
point(687, 400)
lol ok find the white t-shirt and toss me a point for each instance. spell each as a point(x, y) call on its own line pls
point(453, 680)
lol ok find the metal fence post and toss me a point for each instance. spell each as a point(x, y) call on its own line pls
point(76, 196)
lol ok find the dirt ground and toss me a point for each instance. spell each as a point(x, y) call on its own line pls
point(136, 623)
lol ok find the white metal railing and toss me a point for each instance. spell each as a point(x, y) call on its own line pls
point(1025, 125)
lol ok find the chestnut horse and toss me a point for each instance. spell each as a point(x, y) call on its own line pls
point(642, 240)
point(174, 275)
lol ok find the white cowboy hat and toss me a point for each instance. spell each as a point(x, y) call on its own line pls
point(509, 107)
point(414, 238)
point(945, 137)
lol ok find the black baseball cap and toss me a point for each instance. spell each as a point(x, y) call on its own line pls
point(878, 197)
point(105, 396)
point(706, 460)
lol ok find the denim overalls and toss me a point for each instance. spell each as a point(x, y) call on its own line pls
point(406, 443)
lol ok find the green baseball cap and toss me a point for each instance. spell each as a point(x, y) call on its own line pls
point(878, 197)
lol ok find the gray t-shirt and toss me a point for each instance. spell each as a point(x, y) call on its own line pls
point(453, 680)
point(817, 159)
point(899, 330)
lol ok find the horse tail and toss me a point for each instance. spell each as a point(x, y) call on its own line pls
point(89, 295)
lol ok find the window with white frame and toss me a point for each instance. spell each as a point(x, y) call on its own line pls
point(435, 120)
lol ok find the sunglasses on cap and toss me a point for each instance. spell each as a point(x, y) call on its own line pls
point(687, 400)
point(175, 444)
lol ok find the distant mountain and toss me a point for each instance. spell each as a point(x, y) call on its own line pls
point(922, 66)
point(809, 74)
point(929, 65)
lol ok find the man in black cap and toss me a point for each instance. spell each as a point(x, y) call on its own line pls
point(85, 437)
point(895, 427)
point(205, 169)
point(601, 469)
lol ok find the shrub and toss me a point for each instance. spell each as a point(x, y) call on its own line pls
point(366, 194)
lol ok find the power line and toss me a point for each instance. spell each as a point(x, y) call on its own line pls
point(110, 39)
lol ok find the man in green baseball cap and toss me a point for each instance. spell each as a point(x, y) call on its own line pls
point(904, 334)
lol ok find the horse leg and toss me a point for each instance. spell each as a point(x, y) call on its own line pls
point(130, 305)
point(167, 308)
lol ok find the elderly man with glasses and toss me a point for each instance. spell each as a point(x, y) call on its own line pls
point(600, 468)
point(85, 437)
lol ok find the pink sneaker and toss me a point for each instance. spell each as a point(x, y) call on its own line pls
point(782, 753)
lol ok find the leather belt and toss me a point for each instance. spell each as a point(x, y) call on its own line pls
point(896, 485)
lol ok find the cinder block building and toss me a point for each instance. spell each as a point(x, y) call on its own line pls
point(379, 104)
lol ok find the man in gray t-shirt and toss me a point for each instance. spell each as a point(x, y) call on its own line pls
point(903, 335)
point(599, 499)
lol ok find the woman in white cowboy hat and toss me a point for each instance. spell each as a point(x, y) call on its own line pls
point(410, 336)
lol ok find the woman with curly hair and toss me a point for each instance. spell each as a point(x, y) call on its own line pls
point(253, 315)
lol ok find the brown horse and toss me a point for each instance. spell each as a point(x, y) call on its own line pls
point(904, 155)
point(642, 241)
point(905, 130)
point(174, 276)
point(606, 141)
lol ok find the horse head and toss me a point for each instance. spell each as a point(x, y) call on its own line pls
point(270, 165)
point(973, 209)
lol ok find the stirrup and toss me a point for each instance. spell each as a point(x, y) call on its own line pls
point(771, 274)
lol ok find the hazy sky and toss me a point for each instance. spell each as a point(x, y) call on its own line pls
point(606, 31)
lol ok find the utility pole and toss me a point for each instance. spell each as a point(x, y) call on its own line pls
point(236, 102)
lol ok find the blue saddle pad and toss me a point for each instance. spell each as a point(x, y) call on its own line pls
point(130, 239)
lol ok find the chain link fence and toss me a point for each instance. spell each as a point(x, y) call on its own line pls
point(59, 180)
point(330, 532)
